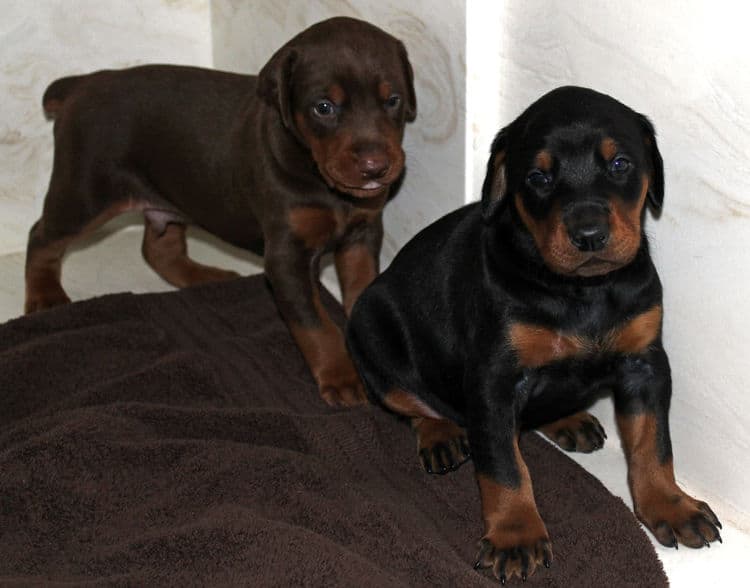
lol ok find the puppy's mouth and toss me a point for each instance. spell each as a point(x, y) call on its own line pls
point(352, 179)
point(370, 189)
point(596, 266)
point(367, 189)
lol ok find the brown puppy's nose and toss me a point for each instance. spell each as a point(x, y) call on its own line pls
point(373, 166)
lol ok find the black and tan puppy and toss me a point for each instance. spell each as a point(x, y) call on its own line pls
point(520, 311)
point(293, 163)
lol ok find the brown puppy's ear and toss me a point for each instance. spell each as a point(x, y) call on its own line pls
point(495, 183)
point(656, 181)
point(274, 83)
point(410, 110)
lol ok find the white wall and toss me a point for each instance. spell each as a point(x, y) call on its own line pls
point(686, 64)
point(46, 39)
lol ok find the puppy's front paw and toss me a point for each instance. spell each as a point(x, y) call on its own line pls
point(679, 518)
point(515, 547)
point(580, 432)
point(340, 385)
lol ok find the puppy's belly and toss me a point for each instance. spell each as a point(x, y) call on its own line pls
point(558, 390)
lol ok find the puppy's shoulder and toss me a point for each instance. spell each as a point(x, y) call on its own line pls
point(448, 236)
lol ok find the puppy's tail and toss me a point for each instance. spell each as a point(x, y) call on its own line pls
point(55, 95)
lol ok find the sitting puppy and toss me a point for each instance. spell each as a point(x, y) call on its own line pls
point(520, 311)
point(293, 163)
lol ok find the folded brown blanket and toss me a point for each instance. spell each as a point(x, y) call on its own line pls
point(178, 439)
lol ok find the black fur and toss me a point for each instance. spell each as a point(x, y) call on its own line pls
point(435, 322)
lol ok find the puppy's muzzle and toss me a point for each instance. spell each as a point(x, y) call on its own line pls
point(587, 225)
point(373, 165)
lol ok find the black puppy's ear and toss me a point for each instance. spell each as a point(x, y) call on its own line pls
point(274, 83)
point(495, 182)
point(656, 181)
point(410, 110)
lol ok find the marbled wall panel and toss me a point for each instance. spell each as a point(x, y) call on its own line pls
point(47, 39)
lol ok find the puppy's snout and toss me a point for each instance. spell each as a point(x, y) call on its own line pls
point(593, 238)
point(588, 227)
point(373, 165)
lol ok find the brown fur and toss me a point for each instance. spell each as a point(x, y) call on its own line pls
point(254, 160)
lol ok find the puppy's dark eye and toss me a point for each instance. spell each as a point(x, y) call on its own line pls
point(539, 180)
point(619, 165)
point(393, 101)
point(325, 109)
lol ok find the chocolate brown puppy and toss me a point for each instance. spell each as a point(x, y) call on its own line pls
point(291, 164)
point(521, 310)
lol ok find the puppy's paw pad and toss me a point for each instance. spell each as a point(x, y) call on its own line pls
point(580, 432)
point(514, 560)
point(347, 395)
point(681, 519)
point(442, 445)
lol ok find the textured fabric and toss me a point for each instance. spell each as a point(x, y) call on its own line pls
point(178, 439)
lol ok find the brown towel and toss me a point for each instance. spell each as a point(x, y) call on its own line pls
point(178, 439)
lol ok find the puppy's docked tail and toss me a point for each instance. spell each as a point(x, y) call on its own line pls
point(55, 95)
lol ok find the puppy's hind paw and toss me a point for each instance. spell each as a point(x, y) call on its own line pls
point(441, 444)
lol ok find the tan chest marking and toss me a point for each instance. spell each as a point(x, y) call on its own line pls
point(313, 226)
point(536, 346)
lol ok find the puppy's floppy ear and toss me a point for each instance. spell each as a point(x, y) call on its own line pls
point(495, 182)
point(410, 109)
point(656, 181)
point(274, 83)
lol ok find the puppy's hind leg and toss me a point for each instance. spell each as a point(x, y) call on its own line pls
point(442, 445)
point(580, 432)
point(165, 250)
point(43, 270)
point(63, 221)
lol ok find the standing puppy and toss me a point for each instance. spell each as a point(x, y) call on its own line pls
point(291, 164)
point(520, 311)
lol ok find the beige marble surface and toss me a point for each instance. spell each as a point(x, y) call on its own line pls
point(47, 39)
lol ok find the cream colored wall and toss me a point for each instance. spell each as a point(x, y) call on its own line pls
point(246, 34)
point(47, 39)
point(687, 66)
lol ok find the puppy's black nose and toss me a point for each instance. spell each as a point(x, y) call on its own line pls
point(590, 237)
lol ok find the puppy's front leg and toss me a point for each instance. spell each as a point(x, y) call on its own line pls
point(642, 406)
point(358, 261)
point(515, 539)
point(293, 272)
